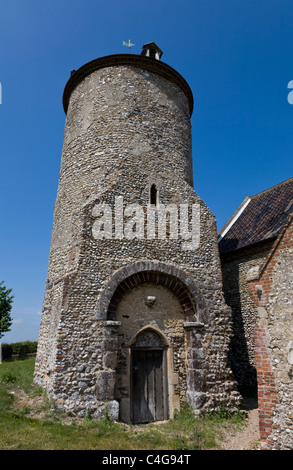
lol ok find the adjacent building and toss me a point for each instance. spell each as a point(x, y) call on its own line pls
point(256, 248)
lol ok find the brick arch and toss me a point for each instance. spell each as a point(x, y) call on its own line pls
point(175, 279)
point(156, 278)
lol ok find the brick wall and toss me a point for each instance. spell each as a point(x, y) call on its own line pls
point(271, 290)
point(267, 392)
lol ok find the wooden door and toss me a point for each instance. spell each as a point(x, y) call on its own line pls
point(149, 399)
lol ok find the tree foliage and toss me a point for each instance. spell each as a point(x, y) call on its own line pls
point(5, 308)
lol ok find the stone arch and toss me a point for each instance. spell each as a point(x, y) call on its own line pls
point(180, 283)
point(152, 329)
point(188, 381)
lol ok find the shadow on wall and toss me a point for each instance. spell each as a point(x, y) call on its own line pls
point(240, 361)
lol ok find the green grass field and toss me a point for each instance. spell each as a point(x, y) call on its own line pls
point(28, 423)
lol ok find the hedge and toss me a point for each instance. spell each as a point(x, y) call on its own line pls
point(8, 350)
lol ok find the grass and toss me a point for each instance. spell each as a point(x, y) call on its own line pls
point(21, 401)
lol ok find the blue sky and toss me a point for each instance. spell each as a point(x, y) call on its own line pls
point(235, 55)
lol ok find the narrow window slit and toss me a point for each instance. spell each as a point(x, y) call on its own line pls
point(153, 195)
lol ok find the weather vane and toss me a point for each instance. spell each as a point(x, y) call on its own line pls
point(128, 44)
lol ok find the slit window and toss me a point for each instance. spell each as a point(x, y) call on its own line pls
point(153, 194)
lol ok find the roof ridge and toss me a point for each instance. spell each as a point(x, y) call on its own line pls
point(272, 187)
point(274, 247)
point(259, 218)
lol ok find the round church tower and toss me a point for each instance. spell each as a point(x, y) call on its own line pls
point(133, 317)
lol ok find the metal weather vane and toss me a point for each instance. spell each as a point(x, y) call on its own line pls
point(128, 44)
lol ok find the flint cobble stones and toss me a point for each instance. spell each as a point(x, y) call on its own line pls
point(126, 129)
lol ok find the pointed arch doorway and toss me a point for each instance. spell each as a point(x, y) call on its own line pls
point(149, 385)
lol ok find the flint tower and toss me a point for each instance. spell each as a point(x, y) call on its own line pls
point(133, 317)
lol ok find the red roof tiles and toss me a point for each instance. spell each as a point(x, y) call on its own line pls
point(262, 219)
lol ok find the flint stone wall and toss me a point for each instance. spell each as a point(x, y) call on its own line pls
point(235, 273)
point(126, 129)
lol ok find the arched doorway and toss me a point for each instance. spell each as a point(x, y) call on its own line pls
point(149, 383)
point(151, 295)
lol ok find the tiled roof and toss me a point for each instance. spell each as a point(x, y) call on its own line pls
point(259, 218)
